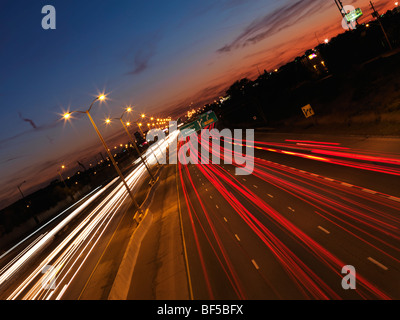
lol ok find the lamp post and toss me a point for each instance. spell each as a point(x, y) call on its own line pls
point(19, 188)
point(61, 177)
point(375, 14)
point(149, 125)
point(129, 109)
point(142, 116)
point(101, 98)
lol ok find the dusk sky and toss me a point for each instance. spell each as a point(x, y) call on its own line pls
point(158, 56)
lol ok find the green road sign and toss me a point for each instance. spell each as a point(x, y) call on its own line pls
point(188, 129)
point(354, 15)
point(207, 118)
point(203, 121)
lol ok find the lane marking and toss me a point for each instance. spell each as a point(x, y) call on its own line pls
point(185, 254)
point(394, 198)
point(380, 265)
point(324, 230)
point(346, 184)
point(329, 179)
point(369, 191)
point(237, 237)
point(255, 264)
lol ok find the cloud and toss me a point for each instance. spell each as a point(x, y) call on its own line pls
point(144, 51)
point(11, 159)
point(274, 22)
point(141, 61)
point(34, 126)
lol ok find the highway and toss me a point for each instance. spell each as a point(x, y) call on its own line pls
point(69, 257)
point(285, 231)
point(311, 206)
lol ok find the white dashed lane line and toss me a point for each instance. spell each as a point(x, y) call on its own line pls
point(255, 264)
point(323, 229)
point(380, 265)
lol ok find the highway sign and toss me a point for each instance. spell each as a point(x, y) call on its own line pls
point(188, 129)
point(203, 121)
point(354, 15)
point(207, 118)
point(308, 111)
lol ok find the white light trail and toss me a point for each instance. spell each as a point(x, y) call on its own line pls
point(68, 257)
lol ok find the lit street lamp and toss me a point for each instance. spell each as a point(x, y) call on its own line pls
point(129, 109)
point(101, 98)
point(143, 135)
point(62, 179)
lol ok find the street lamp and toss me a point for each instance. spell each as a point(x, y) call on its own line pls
point(101, 98)
point(19, 188)
point(141, 131)
point(129, 109)
point(59, 173)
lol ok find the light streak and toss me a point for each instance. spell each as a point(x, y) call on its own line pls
point(68, 256)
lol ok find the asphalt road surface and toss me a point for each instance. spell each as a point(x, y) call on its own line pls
point(316, 216)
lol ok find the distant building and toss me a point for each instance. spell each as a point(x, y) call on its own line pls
point(313, 62)
point(139, 138)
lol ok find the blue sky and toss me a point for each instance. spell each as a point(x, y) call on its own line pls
point(156, 55)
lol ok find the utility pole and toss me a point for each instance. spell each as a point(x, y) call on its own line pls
point(375, 14)
point(101, 155)
point(19, 188)
point(340, 7)
point(339, 4)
